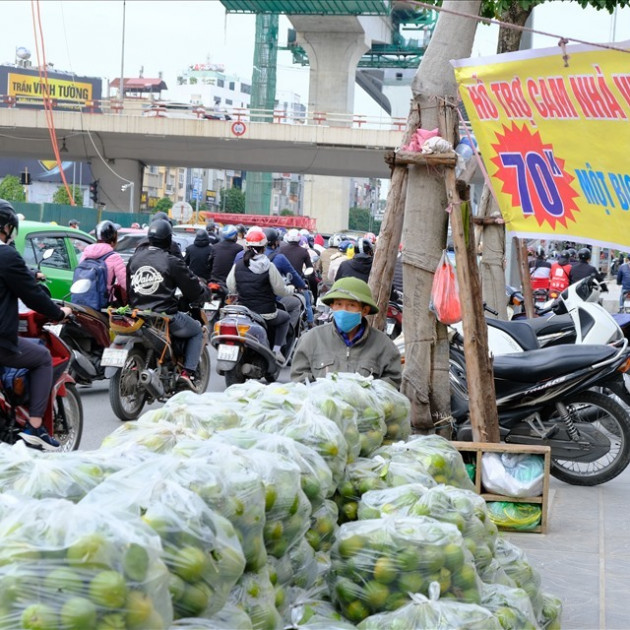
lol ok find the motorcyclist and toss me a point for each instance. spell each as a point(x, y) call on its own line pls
point(199, 255)
point(560, 270)
point(107, 237)
point(540, 271)
point(360, 265)
point(348, 343)
point(174, 247)
point(300, 259)
point(225, 252)
point(335, 261)
point(324, 259)
point(257, 283)
point(153, 276)
point(240, 235)
point(211, 229)
point(291, 302)
point(623, 279)
point(17, 282)
point(582, 268)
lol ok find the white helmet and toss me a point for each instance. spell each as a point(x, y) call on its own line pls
point(292, 236)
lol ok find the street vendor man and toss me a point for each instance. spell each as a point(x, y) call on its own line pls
point(348, 343)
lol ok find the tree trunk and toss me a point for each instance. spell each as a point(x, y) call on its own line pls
point(425, 378)
point(493, 252)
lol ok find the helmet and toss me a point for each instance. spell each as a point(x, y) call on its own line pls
point(310, 239)
point(363, 246)
point(229, 233)
point(335, 240)
point(272, 236)
point(240, 228)
point(370, 236)
point(343, 246)
point(292, 236)
point(255, 237)
point(135, 226)
point(8, 216)
point(161, 216)
point(540, 251)
point(572, 252)
point(565, 253)
point(584, 254)
point(73, 223)
point(160, 233)
point(106, 232)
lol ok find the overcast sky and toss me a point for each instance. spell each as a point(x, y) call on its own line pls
point(85, 37)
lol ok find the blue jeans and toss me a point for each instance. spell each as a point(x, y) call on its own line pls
point(309, 306)
point(36, 358)
point(185, 327)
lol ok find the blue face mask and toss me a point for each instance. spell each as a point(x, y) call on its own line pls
point(346, 320)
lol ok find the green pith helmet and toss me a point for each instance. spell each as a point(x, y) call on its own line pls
point(351, 289)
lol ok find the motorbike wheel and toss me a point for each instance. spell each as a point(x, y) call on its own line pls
point(612, 422)
point(126, 396)
point(69, 436)
point(203, 372)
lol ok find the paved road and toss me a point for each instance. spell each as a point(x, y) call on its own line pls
point(99, 419)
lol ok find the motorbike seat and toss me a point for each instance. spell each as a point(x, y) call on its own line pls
point(238, 309)
point(550, 325)
point(519, 330)
point(538, 365)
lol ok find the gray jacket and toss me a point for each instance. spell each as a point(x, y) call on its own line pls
point(322, 350)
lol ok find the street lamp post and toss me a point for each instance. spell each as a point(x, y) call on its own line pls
point(123, 188)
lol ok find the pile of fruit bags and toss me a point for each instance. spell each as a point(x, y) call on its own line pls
point(264, 507)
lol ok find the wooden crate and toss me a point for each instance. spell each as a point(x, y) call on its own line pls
point(477, 449)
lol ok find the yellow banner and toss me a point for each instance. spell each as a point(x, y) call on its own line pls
point(554, 139)
point(26, 86)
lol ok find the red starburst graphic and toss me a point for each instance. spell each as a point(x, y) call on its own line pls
point(534, 177)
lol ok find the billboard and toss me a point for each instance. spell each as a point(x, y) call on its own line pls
point(553, 134)
point(23, 87)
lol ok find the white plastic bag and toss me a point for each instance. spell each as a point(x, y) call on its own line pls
point(512, 474)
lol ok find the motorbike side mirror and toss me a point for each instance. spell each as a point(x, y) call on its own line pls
point(45, 256)
point(80, 286)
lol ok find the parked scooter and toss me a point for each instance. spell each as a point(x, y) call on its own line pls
point(244, 350)
point(63, 418)
point(544, 397)
point(144, 361)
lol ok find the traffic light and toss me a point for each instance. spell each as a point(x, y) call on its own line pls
point(94, 191)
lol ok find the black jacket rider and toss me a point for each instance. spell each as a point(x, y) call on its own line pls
point(358, 266)
point(224, 254)
point(153, 275)
point(199, 255)
point(17, 281)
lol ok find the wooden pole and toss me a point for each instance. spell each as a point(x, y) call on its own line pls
point(482, 399)
point(384, 263)
point(526, 281)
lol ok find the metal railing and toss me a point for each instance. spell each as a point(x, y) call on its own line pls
point(158, 109)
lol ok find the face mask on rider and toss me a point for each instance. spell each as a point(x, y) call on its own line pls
point(346, 320)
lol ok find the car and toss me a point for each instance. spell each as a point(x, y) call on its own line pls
point(128, 241)
point(34, 238)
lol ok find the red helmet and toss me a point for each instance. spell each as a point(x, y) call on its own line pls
point(255, 237)
point(370, 237)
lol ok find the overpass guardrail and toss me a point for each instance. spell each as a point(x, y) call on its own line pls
point(169, 109)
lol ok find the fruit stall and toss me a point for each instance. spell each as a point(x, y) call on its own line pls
point(265, 506)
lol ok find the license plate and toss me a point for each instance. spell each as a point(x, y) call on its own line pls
point(114, 357)
point(54, 328)
point(211, 306)
point(389, 327)
point(227, 353)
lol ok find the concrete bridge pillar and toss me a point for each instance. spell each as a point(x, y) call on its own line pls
point(111, 182)
point(333, 58)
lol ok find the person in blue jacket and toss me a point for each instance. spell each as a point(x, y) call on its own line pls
point(623, 278)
